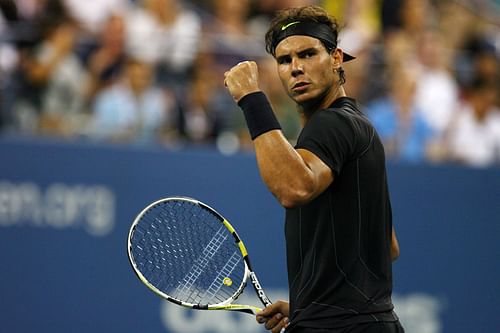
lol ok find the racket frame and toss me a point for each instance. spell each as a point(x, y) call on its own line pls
point(226, 304)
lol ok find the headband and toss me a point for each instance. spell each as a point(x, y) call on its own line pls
point(316, 30)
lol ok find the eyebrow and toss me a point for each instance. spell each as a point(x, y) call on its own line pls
point(307, 50)
point(300, 53)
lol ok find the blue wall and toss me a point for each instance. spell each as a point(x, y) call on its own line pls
point(65, 210)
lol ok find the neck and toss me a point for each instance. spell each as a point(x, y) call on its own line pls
point(322, 102)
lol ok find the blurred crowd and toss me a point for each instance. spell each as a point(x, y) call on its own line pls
point(150, 72)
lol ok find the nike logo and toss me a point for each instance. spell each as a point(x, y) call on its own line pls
point(289, 25)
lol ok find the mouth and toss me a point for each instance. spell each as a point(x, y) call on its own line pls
point(300, 86)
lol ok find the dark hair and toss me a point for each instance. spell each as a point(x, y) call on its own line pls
point(311, 13)
point(303, 14)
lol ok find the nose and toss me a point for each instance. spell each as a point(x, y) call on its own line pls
point(297, 67)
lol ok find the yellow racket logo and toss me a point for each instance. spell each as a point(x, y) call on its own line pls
point(227, 281)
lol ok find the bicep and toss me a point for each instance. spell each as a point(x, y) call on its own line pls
point(294, 176)
point(320, 172)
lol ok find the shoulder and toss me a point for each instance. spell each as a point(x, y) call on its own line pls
point(327, 122)
point(343, 110)
point(343, 116)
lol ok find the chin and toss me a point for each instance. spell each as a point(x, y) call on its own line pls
point(308, 104)
point(306, 99)
point(303, 98)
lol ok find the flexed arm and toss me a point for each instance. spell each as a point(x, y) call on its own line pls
point(293, 176)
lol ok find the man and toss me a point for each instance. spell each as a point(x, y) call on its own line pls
point(339, 234)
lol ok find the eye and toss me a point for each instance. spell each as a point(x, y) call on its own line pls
point(309, 54)
point(284, 60)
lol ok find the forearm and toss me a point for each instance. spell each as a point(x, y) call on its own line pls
point(283, 169)
point(394, 246)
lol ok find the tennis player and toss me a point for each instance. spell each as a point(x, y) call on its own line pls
point(340, 241)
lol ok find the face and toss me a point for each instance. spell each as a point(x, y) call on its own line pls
point(307, 70)
point(139, 75)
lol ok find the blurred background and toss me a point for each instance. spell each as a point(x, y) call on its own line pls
point(150, 72)
point(106, 105)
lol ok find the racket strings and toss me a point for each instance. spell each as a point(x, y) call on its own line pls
point(228, 268)
point(201, 263)
point(185, 252)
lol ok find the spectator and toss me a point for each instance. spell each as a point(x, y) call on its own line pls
point(165, 34)
point(91, 16)
point(8, 59)
point(361, 30)
point(416, 16)
point(133, 109)
point(229, 40)
point(28, 24)
point(437, 91)
point(63, 99)
point(106, 59)
point(402, 129)
point(479, 59)
point(394, 48)
point(55, 73)
point(200, 122)
point(456, 23)
point(474, 135)
point(360, 16)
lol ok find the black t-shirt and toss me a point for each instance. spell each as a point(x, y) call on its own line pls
point(338, 245)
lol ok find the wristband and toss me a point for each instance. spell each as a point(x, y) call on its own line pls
point(258, 113)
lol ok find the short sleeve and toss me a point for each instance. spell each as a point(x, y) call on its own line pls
point(331, 137)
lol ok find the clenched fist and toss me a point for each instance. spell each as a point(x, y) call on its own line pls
point(242, 79)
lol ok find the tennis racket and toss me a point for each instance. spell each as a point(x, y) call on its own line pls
point(187, 253)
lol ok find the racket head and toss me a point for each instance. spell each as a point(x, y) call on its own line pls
point(187, 253)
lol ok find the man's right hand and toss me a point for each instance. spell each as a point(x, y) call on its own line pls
point(275, 316)
point(242, 79)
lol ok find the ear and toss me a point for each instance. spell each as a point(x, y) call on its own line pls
point(337, 56)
